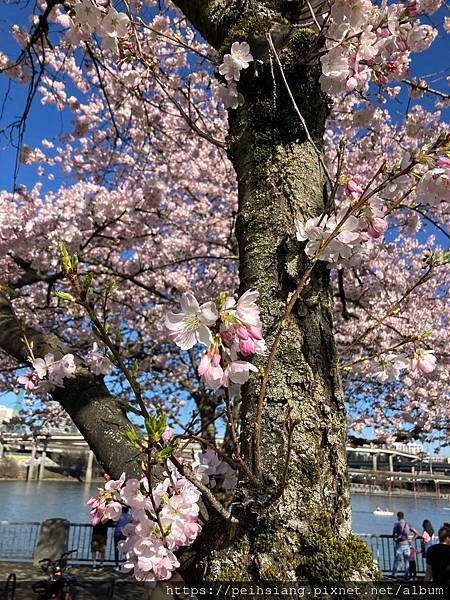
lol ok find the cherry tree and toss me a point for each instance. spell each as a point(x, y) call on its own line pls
point(220, 147)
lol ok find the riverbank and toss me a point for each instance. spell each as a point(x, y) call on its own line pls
point(60, 478)
point(401, 493)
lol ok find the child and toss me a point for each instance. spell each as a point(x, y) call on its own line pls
point(413, 552)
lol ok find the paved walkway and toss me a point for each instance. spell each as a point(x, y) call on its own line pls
point(101, 584)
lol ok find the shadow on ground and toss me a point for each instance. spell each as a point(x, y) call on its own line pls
point(103, 584)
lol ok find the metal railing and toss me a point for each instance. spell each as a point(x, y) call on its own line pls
point(18, 541)
point(382, 547)
point(80, 535)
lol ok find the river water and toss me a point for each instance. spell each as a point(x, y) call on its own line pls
point(36, 501)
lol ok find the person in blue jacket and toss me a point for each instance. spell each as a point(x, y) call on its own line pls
point(118, 535)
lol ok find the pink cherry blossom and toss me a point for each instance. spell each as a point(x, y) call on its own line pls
point(247, 310)
point(423, 361)
point(421, 37)
point(344, 247)
point(443, 162)
point(238, 371)
point(114, 24)
point(230, 96)
point(98, 363)
point(191, 325)
point(434, 187)
point(112, 485)
point(210, 370)
point(233, 63)
point(112, 511)
point(167, 435)
point(87, 12)
point(428, 6)
point(390, 367)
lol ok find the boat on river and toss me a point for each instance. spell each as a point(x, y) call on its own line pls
point(383, 512)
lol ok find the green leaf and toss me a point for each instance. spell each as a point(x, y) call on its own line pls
point(87, 281)
point(165, 453)
point(110, 287)
point(132, 437)
point(74, 261)
point(220, 300)
point(156, 424)
point(64, 259)
point(65, 296)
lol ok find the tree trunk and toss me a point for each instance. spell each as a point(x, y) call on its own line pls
point(300, 527)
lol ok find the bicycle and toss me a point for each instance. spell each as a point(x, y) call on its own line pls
point(9, 590)
point(58, 585)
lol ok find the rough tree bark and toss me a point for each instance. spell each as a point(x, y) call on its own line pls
point(300, 527)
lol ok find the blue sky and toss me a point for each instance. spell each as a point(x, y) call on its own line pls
point(47, 122)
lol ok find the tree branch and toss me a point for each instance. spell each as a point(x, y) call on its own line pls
point(201, 14)
point(97, 414)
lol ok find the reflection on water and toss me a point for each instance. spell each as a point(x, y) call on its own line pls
point(39, 500)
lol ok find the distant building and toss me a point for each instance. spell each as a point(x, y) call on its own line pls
point(410, 447)
point(6, 414)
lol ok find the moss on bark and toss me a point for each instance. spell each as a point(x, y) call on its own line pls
point(326, 556)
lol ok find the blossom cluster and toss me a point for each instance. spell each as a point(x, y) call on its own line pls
point(231, 67)
point(162, 519)
point(48, 373)
point(88, 17)
point(208, 468)
point(421, 362)
point(348, 233)
point(367, 42)
point(434, 186)
point(346, 246)
point(97, 362)
point(230, 329)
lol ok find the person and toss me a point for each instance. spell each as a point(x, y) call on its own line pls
point(438, 559)
point(413, 552)
point(98, 543)
point(118, 535)
point(427, 536)
point(400, 534)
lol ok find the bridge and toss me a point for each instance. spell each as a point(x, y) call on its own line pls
point(41, 447)
point(366, 464)
point(393, 460)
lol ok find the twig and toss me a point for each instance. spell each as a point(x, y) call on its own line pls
point(297, 110)
point(245, 468)
point(394, 307)
point(205, 491)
